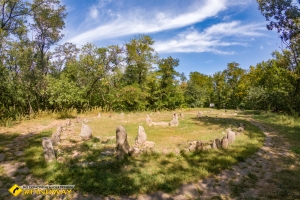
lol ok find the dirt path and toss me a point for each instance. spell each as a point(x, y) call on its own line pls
point(245, 180)
point(12, 161)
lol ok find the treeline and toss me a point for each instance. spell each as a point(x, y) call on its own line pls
point(122, 78)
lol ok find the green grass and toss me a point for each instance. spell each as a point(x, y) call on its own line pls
point(151, 171)
point(287, 181)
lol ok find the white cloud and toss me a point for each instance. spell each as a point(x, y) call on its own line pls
point(212, 39)
point(261, 47)
point(134, 24)
point(93, 12)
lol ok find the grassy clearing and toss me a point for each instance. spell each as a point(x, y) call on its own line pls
point(150, 172)
point(287, 181)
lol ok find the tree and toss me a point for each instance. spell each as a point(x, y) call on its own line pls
point(198, 90)
point(140, 56)
point(169, 89)
point(284, 16)
point(48, 23)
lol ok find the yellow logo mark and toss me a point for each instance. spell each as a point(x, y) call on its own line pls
point(15, 190)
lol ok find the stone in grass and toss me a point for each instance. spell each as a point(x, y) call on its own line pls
point(192, 146)
point(55, 138)
point(107, 153)
point(199, 146)
point(199, 115)
point(174, 121)
point(148, 145)
point(218, 143)
point(86, 132)
point(122, 145)
point(241, 129)
point(99, 115)
point(206, 147)
point(48, 149)
point(134, 152)
point(231, 137)
point(59, 130)
point(2, 156)
point(214, 145)
point(19, 153)
point(224, 143)
point(141, 137)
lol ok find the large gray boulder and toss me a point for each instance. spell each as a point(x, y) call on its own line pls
point(122, 146)
point(48, 149)
point(141, 137)
point(86, 132)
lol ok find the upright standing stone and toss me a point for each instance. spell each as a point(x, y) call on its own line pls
point(55, 138)
point(59, 130)
point(86, 132)
point(122, 143)
point(224, 142)
point(99, 115)
point(174, 122)
point(218, 143)
point(214, 145)
point(48, 149)
point(148, 120)
point(231, 137)
point(141, 137)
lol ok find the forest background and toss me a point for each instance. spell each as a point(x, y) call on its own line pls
point(39, 75)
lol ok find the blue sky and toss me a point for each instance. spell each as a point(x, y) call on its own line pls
point(205, 35)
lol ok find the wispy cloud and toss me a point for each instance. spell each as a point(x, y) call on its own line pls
point(93, 12)
point(130, 24)
point(212, 38)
